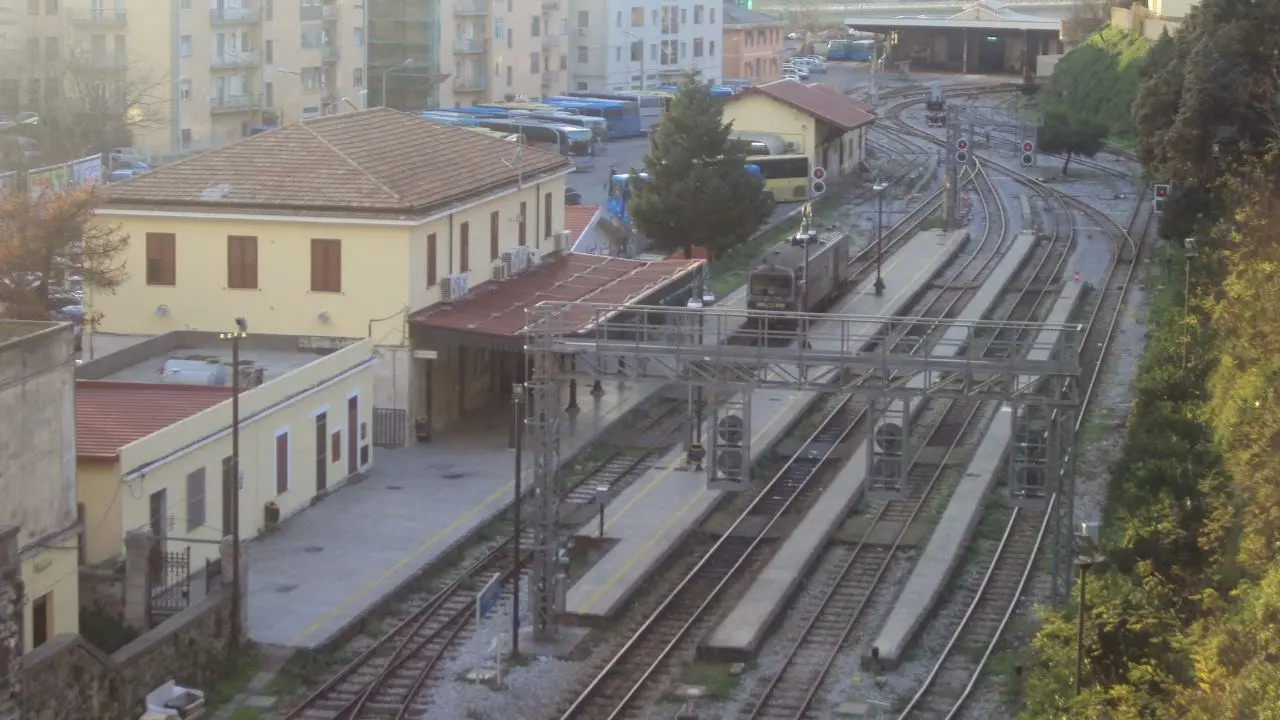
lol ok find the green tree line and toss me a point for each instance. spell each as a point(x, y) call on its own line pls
point(1183, 618)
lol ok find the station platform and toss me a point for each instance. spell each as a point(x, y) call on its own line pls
point(311, 583)
point(655, 514)
point(945, 551)
point(740, 635)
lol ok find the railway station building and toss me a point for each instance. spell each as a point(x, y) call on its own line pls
point(339, 229)
point(987, 37)
point(828, 126)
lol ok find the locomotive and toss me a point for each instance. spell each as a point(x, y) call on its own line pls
point(806, 275)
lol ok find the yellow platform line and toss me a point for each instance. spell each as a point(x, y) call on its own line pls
point(653, 538)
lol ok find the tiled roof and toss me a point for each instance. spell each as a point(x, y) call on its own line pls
point(577, 218)
point(498, 308)
point(836, 94)
point(831, 108)
point(379, 160)
point(734, 15)
point(110, 415)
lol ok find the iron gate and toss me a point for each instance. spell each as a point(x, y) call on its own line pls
point(390, 427)
point(170, 584)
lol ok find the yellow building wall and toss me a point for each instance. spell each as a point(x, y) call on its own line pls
point(54, 572)
point(201, 441)
point(755, 113)
point(99, 490)
point(375, 279)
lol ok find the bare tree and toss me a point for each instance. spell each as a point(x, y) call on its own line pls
point(88, 102)
point(49, 237)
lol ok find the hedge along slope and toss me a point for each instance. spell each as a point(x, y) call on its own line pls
point(1101, 77)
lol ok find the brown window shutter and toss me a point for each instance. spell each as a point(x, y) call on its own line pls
point(317, 265)
point(464, 247)
point(493, 236)
point(282, 463)
point(524, 222)
point(546, 216)
point(431, 259)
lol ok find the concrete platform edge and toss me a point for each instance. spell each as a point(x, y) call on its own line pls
point(451, 554)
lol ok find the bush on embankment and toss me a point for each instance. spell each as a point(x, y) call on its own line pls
point(1100, 78)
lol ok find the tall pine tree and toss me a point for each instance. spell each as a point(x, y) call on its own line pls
point(699, 191)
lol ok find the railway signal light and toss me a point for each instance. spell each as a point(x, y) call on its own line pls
point(730, 453)
point(962, 144)
point(1028, 146)
point(962, 156)
point(1028, 159)
point(1161, 197)
point(819, 184)
point(1162, 192)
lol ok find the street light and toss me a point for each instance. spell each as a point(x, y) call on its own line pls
point(517, 419)
point(879, 189)
point(407, 62)
point(700, 298)
point(1087, 556)
point(643, 76)
point(241, 332)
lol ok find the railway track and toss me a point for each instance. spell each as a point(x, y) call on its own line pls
point(388, 680)
point(956, 672)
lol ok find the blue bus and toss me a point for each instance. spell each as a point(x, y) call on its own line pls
point(857, 50)
point(448, 118)
point(623, 117)
point(558, 116)
point(650, 107)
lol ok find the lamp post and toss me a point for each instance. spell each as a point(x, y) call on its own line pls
point(1087, 556)
point(879, 189)
point(241, 332)
point(517, 404)
point(385, 74)
point(643, 76)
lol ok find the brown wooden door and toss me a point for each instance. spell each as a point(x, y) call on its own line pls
point(353, 434)
point(322, 452)
point(159, 528)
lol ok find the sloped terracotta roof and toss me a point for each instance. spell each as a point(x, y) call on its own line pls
point(497, 309)
point(832, 108)
point(110, 415)
point(377, 160)
point(577, 218)
point(735, 16)
point(833, 93)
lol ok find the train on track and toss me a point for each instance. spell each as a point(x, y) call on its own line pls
point(806, 275)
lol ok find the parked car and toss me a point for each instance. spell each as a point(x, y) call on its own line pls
point(796, 70)
point(810, 63)
point(120, 155)
point(572, 197)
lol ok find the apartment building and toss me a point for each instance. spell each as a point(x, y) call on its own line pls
point(636, 44)
point(753, 45)
point(444, 53)
point(197, 74)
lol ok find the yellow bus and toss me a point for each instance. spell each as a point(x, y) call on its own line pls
point(786, 177)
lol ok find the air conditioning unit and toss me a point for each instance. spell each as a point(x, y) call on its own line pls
point(558, 242)
point(534, 256)
point(453, 288)
point(789, 147)
point(500, 271)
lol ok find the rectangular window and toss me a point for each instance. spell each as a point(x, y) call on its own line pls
point(535, 62)
point(282, 462)
point(162, 259)
point(33, 7)
point(357, 77)
point(535, 26)
point(584, 18)
point(335, 446)
point(41, 621)
point(697, 14)
point(583, 53)
point(546, 215)
point(524, 220)
point(637, 17)
point(697, 47)
point(184, 46)
point(269, 49)
point(326, 265)
point(195, 499)
point(493, 235)
point(228, 495)
point(52, 49)
point(712, 12)
point(464, 247)
point(637, 51)
point(50, 7)
point(432, 268)
point(242, 262)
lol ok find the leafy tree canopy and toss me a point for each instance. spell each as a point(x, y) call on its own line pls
point(1071, 133)
point(700, 192)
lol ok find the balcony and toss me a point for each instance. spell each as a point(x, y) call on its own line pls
point(330, 53)
point(550, 4)
point(470, 7)
point(331, 13)
point(235, 16)
point(97, 16)
point(227, 59)
point(234, 104)
point(550, 42)
point(470, 46)
point(548, 79)
point(468, 84)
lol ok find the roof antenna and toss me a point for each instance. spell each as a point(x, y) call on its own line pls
point(517, 163)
